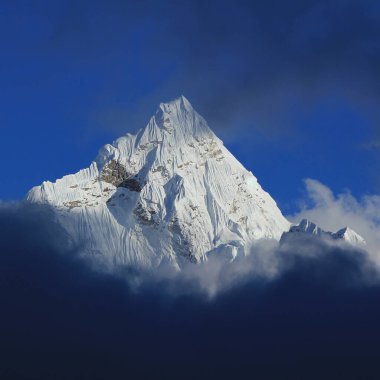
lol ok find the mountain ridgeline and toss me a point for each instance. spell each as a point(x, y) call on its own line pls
point(171, 193)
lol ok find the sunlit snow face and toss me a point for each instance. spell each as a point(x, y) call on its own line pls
point(170, 193)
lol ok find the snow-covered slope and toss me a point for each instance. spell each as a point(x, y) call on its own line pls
point(305, 228)
point(349, 236)
point(169, 193)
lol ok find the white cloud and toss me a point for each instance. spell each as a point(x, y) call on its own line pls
point(216, 275)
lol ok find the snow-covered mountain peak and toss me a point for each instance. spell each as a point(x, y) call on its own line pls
point(180, 104)
point(177, 118)
point(307, 228)
point(350, 236)
point(175, 134)
point(172, 191)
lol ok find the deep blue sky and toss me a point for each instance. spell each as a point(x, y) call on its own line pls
point(291, 87)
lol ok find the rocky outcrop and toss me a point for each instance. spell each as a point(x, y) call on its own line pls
point(116, 174)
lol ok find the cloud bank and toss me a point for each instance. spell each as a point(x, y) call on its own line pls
point(276, 313)
point(267, 262)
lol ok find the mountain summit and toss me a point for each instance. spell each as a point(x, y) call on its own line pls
point(169, 193)
point(307, 228)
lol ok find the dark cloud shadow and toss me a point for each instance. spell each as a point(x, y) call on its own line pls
point(60, 320)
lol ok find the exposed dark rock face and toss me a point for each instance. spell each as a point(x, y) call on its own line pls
point(131, 184)
point(116, 174)
point(73, 204)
